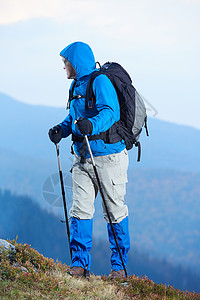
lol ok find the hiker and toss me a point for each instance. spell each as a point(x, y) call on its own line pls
point(111, 160)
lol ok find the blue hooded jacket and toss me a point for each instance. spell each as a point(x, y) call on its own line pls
point(104, 112)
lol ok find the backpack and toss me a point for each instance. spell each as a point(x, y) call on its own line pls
point(132, 108)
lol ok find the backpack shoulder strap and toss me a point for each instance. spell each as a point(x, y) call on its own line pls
point(90, 97)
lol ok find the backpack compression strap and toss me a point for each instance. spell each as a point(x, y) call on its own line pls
point(145, 125)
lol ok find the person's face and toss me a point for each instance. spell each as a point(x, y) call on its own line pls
point(70, 71)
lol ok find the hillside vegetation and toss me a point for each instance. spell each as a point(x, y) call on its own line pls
point(23, 217)
point(30, 275)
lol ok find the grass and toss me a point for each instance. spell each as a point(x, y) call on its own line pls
point(45, 279)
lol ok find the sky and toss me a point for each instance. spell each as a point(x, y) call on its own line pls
point(157, 42)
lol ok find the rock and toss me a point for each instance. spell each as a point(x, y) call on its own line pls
point(6, 246)
point(23, 269)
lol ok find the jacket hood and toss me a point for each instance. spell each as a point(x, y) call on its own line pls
point(81, 57)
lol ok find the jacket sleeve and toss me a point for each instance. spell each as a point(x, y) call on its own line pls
point(107, 105)
point(66, 125)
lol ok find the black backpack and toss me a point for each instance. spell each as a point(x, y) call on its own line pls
point(132, 109)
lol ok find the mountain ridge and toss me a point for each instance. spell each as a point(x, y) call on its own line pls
point(26, 131)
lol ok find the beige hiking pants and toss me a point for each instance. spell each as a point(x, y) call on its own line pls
point(112, 171)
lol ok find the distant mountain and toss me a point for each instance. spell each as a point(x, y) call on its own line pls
point(27, 156)
point(25, 129)
point(24, 174)
point(170, 146)
point(163, 190)
point(164, 214)
point(43, 231)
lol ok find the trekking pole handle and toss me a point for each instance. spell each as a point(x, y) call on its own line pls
point(88, 145)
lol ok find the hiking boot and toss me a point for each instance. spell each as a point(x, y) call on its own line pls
point(79, 272)
point(116, 274)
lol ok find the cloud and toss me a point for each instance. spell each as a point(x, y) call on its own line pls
point(192, 1)
point(12, 11)
point(159, 23)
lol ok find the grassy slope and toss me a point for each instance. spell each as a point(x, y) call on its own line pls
point(46, 279)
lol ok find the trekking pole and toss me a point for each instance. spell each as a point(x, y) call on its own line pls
point(104, 202)
point(63, 196)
